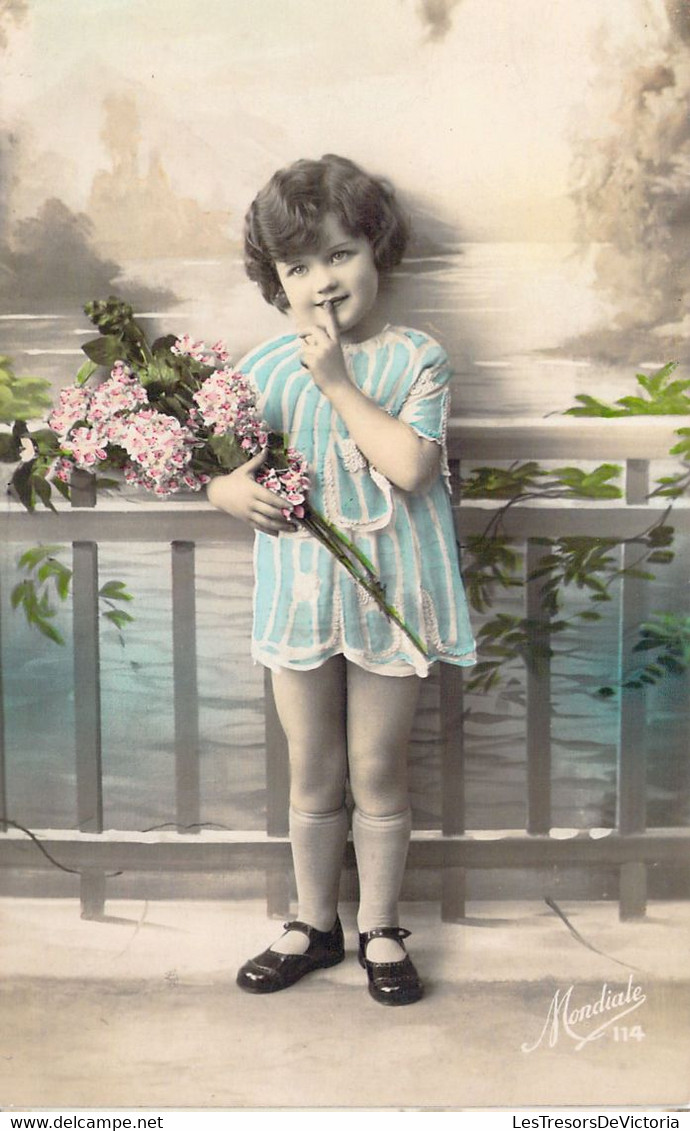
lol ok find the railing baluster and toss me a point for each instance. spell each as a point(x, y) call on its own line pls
point(87, 687)
point(453, 890)
point(87, 694)
point(451, 725)
point(278, 878)
point(538, 727)
point(186, 697)
point(87, 713)
point(631, 814)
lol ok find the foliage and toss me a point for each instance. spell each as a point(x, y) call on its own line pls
point(494, 562)
point(46, 579)
point(663, 397)
point(21, 398)
point(668, 635)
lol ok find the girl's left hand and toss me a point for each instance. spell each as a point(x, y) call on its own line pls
point(322, 353)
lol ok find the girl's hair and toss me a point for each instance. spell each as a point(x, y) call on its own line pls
point(284, 219)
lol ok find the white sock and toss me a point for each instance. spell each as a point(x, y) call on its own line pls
point(381, 845)
point(318, 846)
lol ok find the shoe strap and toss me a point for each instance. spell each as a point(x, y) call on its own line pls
point(307, 929)
point(298, 925)
point(397, 933)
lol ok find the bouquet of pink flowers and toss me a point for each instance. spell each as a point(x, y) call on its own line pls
point(169, 417)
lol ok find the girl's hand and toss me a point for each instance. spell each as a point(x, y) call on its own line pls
point(322, 353)
point(239, 495)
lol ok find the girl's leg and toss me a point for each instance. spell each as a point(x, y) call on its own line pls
point(311, 709)
point(380, 713)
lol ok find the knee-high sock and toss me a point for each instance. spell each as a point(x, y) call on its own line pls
point(318, 845)
point(381, 845)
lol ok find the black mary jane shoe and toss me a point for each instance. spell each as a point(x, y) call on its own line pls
point(271, 971)
point(390, 983)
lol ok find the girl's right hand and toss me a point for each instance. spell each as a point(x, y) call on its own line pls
point(239, 495)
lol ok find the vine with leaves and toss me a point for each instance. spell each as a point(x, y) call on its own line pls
point(591, 564)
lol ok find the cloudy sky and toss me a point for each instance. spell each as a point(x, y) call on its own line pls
point(469, 103)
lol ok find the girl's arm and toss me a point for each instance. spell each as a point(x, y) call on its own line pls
point(239, 495)
point(406, 459)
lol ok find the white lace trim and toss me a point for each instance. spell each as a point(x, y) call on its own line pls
point(431, 631)
point(306, 587)
point(425, 384)
point(332, 504)
point(441, 441)
point(363, 596)
point(353, 460)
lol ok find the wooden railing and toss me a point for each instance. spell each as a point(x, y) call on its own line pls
point(94, 853)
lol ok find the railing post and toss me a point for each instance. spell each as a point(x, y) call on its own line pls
point(631, 816)
point(87, 693)
point(451, 722)
point(186, 695)
point(454, 878)
point(538, 725)
point(278, 877)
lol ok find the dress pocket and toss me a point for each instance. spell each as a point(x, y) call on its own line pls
point(356, 495)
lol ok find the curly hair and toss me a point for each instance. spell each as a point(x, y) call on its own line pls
point(285, 217)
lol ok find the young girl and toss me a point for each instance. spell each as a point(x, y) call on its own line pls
point(366, 403)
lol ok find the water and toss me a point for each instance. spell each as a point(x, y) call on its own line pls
point(504, 313)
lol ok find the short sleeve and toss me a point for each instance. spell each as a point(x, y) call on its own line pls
point(426, 406)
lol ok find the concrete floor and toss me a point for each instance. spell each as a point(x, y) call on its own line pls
point(140, 1010)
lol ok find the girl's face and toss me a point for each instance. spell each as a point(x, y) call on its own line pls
point(340, 270)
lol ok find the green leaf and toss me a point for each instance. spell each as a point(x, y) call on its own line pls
point(9, 448)
point(21, 482)
point(86, 371)
point(105, 350)
point(164, 344)
point(115, 591)
point(590, 406)
point(31, 558)
point(118, 617)
point(50, 631)
point(228, 452)
point(43, 489)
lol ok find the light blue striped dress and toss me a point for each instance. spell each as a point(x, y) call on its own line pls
point(307, 608)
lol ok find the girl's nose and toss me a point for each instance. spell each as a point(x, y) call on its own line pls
point(324, 281)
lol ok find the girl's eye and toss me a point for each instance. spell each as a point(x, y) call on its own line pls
point(296, 269)
point(339, 256)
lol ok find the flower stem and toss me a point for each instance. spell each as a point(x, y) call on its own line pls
point(342, 548)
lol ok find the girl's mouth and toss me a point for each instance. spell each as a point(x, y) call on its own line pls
point(333, 301)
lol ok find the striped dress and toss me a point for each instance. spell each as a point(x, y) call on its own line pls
point(307, 608)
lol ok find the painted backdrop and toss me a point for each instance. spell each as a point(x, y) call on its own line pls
point(543, 149)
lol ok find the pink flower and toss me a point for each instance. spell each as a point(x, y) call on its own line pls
point(121, 393)
point(189, 347)
point(73, 406)
point(220, 351)
point(85, 446)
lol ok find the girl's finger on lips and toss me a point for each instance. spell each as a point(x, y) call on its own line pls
point(332, 327)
